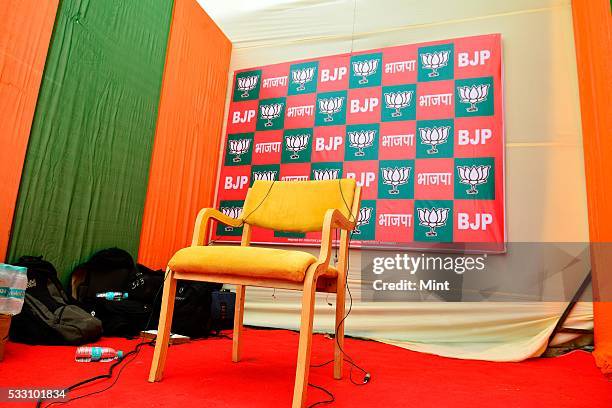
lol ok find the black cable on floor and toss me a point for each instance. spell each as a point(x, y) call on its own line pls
point(133, 353)
point(324, 402)
point(109, 375)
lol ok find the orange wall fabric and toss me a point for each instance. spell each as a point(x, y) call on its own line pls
point(592, 31)
point(25, 34)
point(186, 148)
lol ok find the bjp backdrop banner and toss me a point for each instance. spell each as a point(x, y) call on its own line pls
point(420, 127)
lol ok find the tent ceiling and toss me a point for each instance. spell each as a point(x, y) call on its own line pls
point(250, 23)
point(255, 23)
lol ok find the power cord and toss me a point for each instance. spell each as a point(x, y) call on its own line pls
point(348, 359)
point(244, 219)
point(323, 402)
point(367, 376)
point(134, 353)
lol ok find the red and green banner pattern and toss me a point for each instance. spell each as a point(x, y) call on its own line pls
point(420, 127)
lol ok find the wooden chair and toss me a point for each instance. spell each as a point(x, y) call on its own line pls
point(296, 206)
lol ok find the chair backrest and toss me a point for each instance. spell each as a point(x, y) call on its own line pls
point(297, 206)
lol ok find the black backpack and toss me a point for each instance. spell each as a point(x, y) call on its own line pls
point(111, 270)
point(192, 308)
point(193, 303)
point(49, 314)
point(114, 270)
point(106, 271)
point(222, 310)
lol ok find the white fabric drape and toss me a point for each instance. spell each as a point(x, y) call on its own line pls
point(545, 185)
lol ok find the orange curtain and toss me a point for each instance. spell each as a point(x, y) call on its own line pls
point(187, 140)
point(25, 34)
point(592, 30)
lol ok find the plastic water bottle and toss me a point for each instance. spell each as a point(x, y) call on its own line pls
point(86, 354)
point(13, 283)
point(112, 295)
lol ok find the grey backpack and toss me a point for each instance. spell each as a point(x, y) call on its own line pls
point(49, 315)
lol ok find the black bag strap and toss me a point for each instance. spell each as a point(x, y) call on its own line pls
point(67, 297)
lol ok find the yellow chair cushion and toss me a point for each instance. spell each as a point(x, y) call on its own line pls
point(252, 262)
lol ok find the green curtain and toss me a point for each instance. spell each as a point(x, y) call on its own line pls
point(85, 175)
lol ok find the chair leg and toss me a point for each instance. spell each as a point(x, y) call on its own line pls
point(238, 319)
point(339, 343)
point(303, 360)
point(163, 330)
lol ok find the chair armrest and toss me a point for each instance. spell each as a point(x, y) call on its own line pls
point(334, 219)
point(203, 219)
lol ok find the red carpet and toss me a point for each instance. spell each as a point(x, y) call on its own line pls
point(201, 374)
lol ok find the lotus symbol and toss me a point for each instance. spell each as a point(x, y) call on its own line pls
point(268, 175)
point(270, 112)
point(365, 214)
point(397, 101)
point(360, 140)
point(395, 177)
point(326, 174)
point(246, 84)
point(239, 147)
point(233, 212)
point(473, 94)
point(296, 143)
point(432, 218)
point(301, 76)
point(434, 136)
point(364, 69)
point(473, 175)
point(329, 106)
point(435, 61)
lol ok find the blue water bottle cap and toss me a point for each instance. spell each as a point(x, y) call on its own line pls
point(96, 353)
